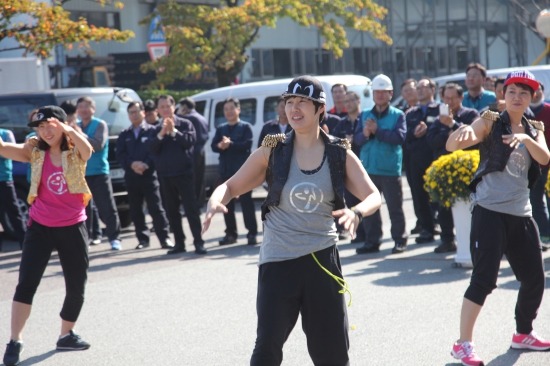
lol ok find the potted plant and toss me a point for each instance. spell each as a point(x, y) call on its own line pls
point(446, 180)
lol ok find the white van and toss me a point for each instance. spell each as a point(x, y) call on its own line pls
point(258, 105)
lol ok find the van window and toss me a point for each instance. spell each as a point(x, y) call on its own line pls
point(270, 108)
point(14, 113)
point(200, 106)
point(110, 107)
point(248, 112)
point(364, 93)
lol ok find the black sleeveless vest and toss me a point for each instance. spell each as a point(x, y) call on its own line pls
point(494, 154)
point(279, 166)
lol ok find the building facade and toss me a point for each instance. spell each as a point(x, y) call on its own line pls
point(431, 38)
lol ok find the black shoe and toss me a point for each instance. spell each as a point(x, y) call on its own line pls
point(399, 248)
point(424, 237)
point(176, 250)
point(228, 239)
point(167, 244)
point(142, 245)
point(199, 249)
point(357, 240)
point(446, 247)
point(72, 342)
point(416, 230)
point(368, 248)
point(252, 239)
point(13, 351)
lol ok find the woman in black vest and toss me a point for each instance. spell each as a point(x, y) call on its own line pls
point(300, 272)
point(511, 149)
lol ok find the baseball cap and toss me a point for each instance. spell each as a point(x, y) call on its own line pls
point(306, 87)
point(49, 111)
point(522, 77)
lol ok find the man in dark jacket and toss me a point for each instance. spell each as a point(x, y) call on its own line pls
point(437, 136)
point(187, 110)
point(132, 152)
point(172, 146)
point(420, 155)
point(233, 141)
point(278, 125)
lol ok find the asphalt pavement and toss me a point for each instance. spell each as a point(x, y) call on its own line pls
point(147, 308)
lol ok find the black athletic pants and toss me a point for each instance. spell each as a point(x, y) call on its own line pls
point(299, 286)
point(496, 234)
point(71, 243)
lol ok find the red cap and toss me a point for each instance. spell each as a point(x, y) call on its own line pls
point(522, 77)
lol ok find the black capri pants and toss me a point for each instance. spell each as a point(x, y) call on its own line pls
point(299, 286)
point(71, 243)
point(493, 235)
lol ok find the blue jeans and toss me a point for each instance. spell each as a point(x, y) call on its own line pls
point(102, 192)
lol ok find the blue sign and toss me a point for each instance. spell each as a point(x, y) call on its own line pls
point(156, 32)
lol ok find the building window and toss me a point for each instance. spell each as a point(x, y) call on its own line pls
point(299, 62)
point(400, 59)
point(461, 57)
point(360, 61)
point(98, 18)
point(348, 61)
point(282, 63)
point(310, 62)
point(442, 58)
point(262, 63)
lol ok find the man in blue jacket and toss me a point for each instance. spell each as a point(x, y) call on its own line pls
point(172, 146)
point(133, 154)
point(380, 134)
point(97, 170)
point(233, 141)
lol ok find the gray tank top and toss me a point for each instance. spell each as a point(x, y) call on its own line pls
point(507, 191)
point(302, 223)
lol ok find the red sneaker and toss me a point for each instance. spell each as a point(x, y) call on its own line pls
point(465, 353)
point(529, 341)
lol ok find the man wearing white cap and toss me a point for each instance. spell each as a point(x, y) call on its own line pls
point(380, 134)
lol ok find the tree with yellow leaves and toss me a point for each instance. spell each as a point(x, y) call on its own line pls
point(46, 26)
point(215, 37)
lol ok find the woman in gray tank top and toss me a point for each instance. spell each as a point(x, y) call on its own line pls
point(299, 269)
point(511, 149)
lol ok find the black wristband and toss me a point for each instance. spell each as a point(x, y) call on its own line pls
point(358, 214)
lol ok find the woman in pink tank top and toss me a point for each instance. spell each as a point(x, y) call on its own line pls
point(58, 195)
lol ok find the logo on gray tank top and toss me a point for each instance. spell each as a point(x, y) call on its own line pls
point(306, 197)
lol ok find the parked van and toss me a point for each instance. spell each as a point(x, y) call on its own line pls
point(111, 105)
point(258, 105)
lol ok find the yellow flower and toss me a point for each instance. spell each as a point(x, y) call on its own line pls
point(447, 178)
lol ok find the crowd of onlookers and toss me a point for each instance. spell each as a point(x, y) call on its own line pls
point(387, 139)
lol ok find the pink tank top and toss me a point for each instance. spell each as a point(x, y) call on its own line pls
point(55, 206)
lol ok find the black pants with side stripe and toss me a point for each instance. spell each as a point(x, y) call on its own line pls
point(299, 286)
